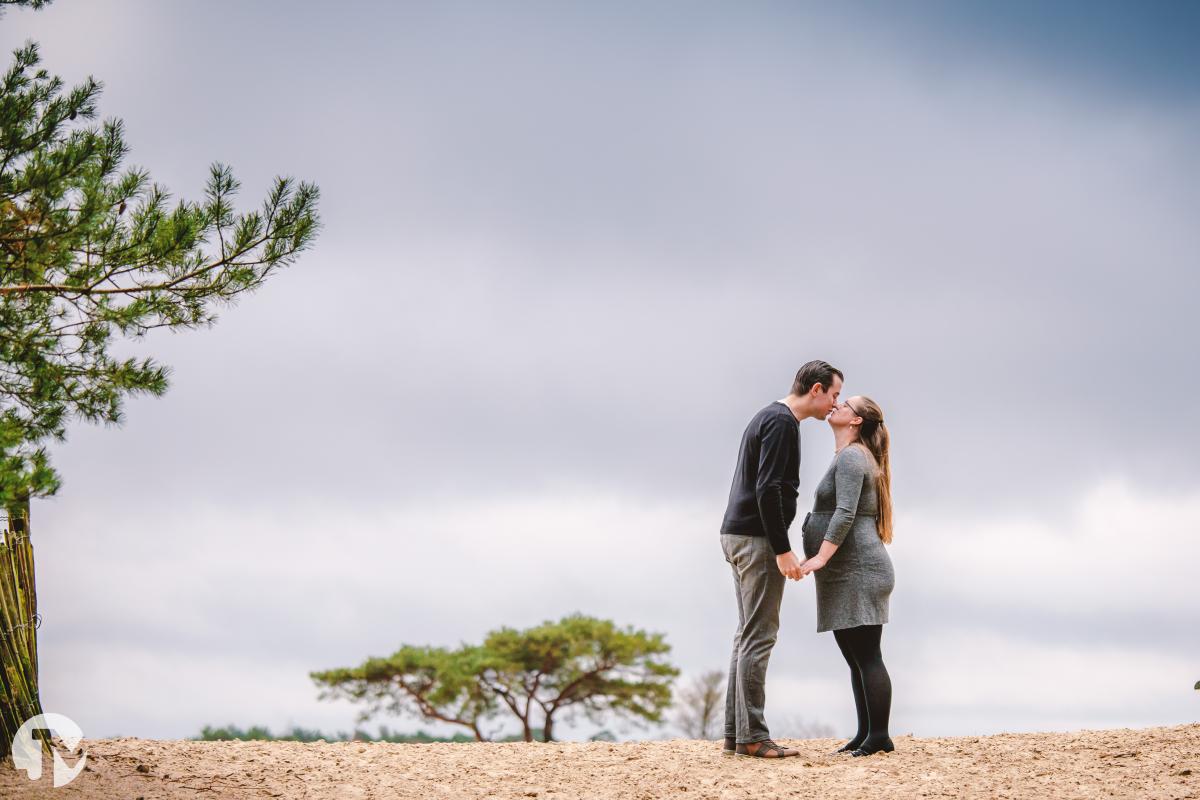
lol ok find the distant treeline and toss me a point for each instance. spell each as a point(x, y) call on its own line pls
point(298, 734)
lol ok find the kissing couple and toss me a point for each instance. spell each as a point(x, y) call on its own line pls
point(844, 537)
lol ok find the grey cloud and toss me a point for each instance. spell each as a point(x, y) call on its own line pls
point(561, 258)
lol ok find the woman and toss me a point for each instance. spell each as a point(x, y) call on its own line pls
point(844, 539)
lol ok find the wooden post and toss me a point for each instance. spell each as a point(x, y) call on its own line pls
point(19, 620)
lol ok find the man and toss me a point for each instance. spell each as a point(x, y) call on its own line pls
point(754, 536)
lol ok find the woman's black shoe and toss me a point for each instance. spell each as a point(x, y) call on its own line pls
point(848, 747)
point(868, 750)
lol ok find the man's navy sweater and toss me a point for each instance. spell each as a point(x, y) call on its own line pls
point(762, 499)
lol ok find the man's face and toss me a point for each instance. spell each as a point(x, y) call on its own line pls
point(827, 397)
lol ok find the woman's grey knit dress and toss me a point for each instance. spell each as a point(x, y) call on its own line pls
point(854, 587)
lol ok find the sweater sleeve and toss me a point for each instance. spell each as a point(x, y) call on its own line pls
point(777, 441)
point(848, 482)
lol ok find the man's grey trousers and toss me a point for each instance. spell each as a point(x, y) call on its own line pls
point(759, 588)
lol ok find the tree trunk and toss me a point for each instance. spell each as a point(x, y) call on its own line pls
point(548, 729)
point(511, 702)
point(525, 727)
point(19, 700)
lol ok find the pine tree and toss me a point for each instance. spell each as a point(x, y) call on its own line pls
point(577, 665)
point(90, 252)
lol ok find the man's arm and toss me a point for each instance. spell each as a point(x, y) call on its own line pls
point(776, 443)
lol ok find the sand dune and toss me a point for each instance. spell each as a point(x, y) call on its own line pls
point(1148, 763)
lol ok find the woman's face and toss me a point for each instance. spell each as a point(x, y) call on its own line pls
point(843, 414)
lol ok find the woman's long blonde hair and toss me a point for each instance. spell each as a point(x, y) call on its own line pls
point(874, 437)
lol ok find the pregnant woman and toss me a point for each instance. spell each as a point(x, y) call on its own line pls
point(844, 537)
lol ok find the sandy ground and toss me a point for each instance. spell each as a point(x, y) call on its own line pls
point(1150, 763)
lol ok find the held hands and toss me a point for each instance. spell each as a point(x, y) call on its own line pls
point(812, 565)
point(789, 565)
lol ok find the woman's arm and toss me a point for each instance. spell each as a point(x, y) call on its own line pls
point(822, 557)
point(848, 483)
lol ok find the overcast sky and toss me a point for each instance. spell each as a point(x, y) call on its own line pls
point(569, 250)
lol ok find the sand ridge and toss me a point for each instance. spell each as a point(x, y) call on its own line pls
point(1147, 764)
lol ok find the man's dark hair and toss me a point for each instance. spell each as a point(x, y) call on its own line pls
point(815, 372)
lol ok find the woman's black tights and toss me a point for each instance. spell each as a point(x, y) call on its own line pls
point(872, 688)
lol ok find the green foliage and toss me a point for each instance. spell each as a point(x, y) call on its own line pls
point(35, 4)
point(582, 664)
point(89, 252)
point(254, 734)
point(520, 737)
point(298, 734)
point(579, 664)
point(433, 683)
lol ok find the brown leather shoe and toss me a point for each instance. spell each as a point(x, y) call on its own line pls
point(765, 749)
